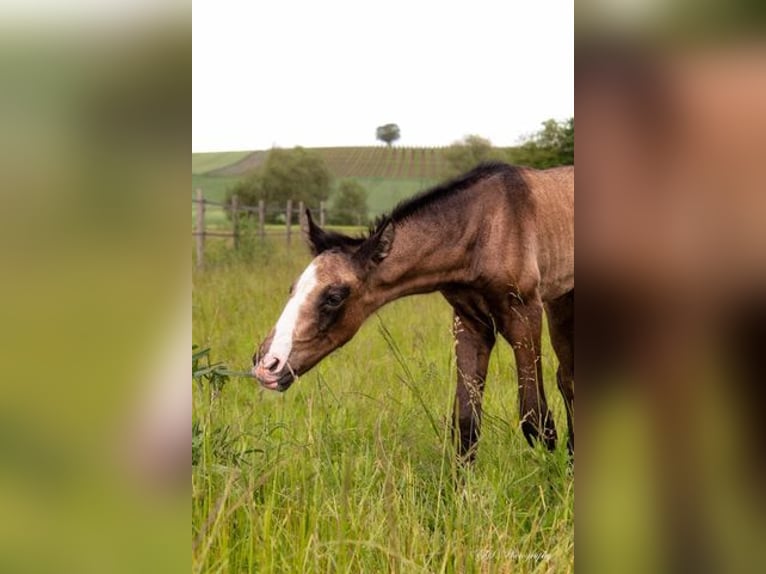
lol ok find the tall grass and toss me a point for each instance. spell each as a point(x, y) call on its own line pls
point(352, 470)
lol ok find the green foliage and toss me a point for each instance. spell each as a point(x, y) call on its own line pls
point(297, 174)
point(567, 144)
point(469, 152)
point(209, 376)
point(349, 205)
point(551, 146)
point(249, 191)
point(388, 133)
point(213, 444)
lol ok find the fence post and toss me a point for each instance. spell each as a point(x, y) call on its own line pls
point(235, 219)
point(261, 218)
point(200, 228)
point(301, 216)
point(322, 210)
point(289, 218)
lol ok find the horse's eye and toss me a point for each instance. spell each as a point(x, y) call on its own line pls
point(334, 298)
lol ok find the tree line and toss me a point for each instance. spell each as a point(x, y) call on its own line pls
point(551, 146)
point(301, 175)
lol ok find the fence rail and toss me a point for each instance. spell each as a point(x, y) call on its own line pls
point(200, 231)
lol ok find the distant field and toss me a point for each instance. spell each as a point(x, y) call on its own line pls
point(383, 162)
point(243, 165)
point(204, 162)
point(384, 194)
point(371, 161)
point(213, 187)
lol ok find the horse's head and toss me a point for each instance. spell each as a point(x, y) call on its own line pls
point(327, 305)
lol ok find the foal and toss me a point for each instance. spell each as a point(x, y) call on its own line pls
point(497, 243)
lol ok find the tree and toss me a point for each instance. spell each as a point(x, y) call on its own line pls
point(295, 174)
point(350, 204)
point(551, 146)
point(249, 191)
point(469, 152)
point(388, 133)
point(566, 145)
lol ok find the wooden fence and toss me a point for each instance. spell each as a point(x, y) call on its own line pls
point(293, 213)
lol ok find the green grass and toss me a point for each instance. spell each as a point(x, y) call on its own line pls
point(213, 187)
point(352, 470)
point(383, 194)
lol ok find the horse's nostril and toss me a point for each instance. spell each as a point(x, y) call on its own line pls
point(272, 364)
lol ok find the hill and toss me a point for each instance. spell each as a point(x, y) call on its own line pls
point(372, 161)
point(205, 162)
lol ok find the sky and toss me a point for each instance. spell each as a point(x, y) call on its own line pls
point(327, 73)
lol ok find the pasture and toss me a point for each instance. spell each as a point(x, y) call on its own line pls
point(352, 470)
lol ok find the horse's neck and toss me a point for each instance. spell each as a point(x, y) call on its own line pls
point(424, 258)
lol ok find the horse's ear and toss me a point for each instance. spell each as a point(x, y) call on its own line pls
point(385, 242)
point(315, 235)
point(320, 240)
point(377, 247)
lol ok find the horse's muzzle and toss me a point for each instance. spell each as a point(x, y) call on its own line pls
point(270, 379)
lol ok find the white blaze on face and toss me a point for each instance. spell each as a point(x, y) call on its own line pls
point(282, 343)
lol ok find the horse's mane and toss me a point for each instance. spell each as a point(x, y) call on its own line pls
point(434, 195)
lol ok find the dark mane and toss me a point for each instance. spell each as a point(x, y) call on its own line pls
point(428, 197)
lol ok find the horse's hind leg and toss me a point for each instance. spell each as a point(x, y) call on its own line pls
point(474, 337)
point(522, 326)
point(561, 326)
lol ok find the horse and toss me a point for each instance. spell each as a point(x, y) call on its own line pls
point(496, 242)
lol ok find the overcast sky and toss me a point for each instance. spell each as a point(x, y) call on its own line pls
point(328, 72)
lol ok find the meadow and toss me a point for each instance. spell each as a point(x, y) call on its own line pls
point(353, 469)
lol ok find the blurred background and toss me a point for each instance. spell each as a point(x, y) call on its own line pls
point(671, 248)
point(95, 295)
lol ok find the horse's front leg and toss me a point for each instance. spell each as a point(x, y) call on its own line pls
point(522, 327)
point(474, 338)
